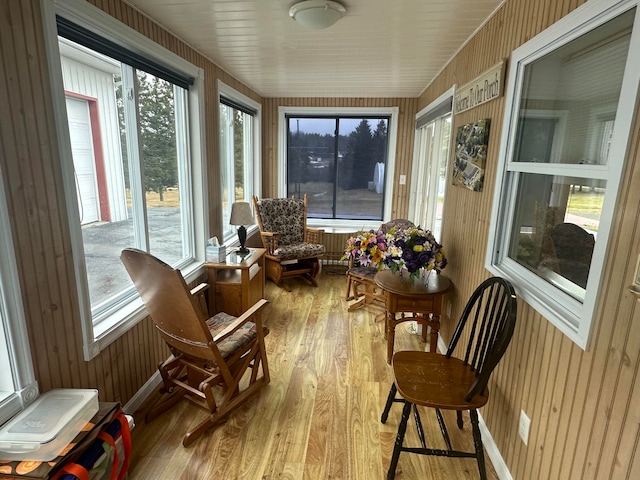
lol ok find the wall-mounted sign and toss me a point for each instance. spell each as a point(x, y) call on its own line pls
point(484, 88)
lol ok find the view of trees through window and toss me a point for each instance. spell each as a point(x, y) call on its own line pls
point(236, 160)
point(128, 133)
point(158, 134)
point(339, 162)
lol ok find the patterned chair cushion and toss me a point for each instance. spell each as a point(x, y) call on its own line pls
point(284, 216)
point(363, 272)
point(298, 250)
point(238, 340)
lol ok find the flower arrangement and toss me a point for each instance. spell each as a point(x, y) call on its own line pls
point(415, 249)
point(368, 249)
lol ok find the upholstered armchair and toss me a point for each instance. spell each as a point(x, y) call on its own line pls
point(292, 248)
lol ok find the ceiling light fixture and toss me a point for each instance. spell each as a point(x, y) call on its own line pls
point(317, 14)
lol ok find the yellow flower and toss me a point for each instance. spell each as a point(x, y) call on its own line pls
point(418, 248)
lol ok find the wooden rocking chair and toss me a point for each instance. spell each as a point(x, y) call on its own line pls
point(293, 249)
point(209, 356)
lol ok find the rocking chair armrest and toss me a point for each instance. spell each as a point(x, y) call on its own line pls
point(197, 295)
point(270, 241)
point(200, 289)
point(312, 235)
point(250, 314)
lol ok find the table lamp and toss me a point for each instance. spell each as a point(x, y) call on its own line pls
point(241, 215)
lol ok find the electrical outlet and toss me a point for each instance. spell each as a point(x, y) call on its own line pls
point(403, 179)
point(523, 427)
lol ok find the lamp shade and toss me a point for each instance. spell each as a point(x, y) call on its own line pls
point(317, 14)
point(241, 214)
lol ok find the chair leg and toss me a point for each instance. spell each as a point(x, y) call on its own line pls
point(477, 440)
point(423, 442)
point(348, 296)
point(387, 407)
point(460, 421)
point(402, 428)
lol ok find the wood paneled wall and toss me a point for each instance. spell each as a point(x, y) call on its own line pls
point(584, 405)
point(404, 150)
point(32, 171)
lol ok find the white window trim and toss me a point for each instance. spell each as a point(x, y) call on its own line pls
point(225, 90)
point(341, 225)
point(99, 333)
point(417, 193)
point(25, 387)
point(570, 316)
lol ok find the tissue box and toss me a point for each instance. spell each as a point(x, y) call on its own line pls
point(216, 254)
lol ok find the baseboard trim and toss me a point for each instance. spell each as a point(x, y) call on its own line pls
point(141, 395)
point(487, 439)
point(492, 450)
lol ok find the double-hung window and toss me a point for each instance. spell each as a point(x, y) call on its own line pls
point(17, 383)
point(129, 115)
point(567, 124)
point(239, 152)
point(342, 159)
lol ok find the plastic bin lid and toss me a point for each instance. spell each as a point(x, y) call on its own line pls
point(47, 416)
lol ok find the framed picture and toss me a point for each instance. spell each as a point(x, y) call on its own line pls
point(472, 140)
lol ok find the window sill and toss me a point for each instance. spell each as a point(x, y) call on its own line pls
point(562, 310)
point(343, 226)
point(114, 324)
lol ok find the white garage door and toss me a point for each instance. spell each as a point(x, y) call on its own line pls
point(83, 159)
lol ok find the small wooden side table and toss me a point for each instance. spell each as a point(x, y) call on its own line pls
point(238, 283)
point(423, 302)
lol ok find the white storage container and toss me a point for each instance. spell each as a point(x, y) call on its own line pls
point(48, 425)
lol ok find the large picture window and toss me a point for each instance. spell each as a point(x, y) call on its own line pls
point(17, 384)
point(342, 160)
point(566, 135)
point(132, 117)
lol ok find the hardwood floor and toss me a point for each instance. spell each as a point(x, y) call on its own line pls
point(319, 418)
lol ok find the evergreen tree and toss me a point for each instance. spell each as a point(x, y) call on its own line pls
point(358, 163)
point(157, 133)
point(238, 152)
point(380, 142)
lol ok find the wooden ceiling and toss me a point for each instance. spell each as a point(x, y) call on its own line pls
point(380, 48)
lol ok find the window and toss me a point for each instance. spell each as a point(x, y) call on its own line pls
point(133, 178)
point(431, 156)
point(565, 136)
point(342, 159)
point(17, 384)
point(239, 151)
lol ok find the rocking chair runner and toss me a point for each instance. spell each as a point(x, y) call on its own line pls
point(293, 250)
point(209, 356)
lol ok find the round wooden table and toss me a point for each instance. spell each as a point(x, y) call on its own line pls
point(422, 301)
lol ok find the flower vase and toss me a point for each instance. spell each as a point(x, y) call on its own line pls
point(425, 275)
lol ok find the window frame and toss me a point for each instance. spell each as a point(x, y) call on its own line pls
point(421, 170)
point(570, 316)
point(20, 387)
point(107, 327)
point(337, 225)
point(255, 169)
